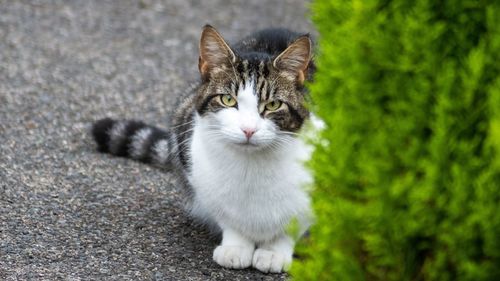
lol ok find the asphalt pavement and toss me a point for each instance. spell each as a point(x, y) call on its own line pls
point(66, 211)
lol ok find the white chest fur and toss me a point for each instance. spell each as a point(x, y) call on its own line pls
point(257, 193)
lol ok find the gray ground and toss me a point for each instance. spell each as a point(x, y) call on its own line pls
point(67, 212)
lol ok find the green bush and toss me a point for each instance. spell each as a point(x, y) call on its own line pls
point(408, 169)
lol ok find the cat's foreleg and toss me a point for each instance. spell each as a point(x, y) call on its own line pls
point(235, 251)
point(274, 256)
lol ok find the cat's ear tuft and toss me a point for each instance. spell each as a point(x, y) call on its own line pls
point(295, 59)
point(214, 51)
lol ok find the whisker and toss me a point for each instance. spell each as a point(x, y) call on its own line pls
point(181, 147)
point(180, 125)
point(184, 132)
point(290, 133)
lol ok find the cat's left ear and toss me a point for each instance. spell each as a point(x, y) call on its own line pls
point(215, 53)
point(295, 59)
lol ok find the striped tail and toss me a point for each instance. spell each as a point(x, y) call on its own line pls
point(136, 140)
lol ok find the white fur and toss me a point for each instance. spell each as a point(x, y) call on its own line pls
point(274, 257)
point(116, 135)
point(161, 151)
point(235, 251)
point(137, 148)
point(251, 189)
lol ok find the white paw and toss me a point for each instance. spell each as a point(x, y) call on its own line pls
point(235, 257)
point(271, 261)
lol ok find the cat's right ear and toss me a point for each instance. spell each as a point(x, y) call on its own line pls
point(215, 53)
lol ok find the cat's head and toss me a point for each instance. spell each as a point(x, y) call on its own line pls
point(252, 99)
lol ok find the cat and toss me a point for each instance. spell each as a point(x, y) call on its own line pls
point(235, 139)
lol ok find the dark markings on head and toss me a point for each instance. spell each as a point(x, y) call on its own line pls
point(279, 61)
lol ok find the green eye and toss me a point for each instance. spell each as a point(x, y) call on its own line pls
point(228, 100)
point(273, 105)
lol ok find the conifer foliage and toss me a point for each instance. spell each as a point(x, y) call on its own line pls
point(407, 174)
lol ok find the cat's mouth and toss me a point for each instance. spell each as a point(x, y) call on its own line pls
point(251, 146)
point(247, 144)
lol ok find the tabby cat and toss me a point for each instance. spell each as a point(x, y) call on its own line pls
point(235, 140)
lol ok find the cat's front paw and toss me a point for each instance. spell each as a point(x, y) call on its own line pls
point(271, 261)
point(235, 257)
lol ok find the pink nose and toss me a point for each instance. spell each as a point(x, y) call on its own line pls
point(248, 132)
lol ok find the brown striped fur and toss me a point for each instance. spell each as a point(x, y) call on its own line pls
point(279, 73)
point(279, 62)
